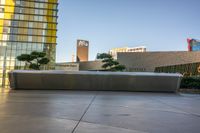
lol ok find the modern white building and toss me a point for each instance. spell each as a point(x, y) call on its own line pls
point(114, 51)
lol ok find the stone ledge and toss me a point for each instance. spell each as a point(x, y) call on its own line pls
point(95, 81)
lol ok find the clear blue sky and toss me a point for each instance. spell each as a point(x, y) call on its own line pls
point(160, 25)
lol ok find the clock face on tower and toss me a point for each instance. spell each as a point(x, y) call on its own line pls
point(82, 43)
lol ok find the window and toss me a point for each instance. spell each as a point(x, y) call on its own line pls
point(1, 9)
point(15, 23)
point(6, 23)
point(30, 24)
point(16, 16)
point(30, 31)
point(5, 29)
point(21, 17)
point(30, 38)
point(40, 18)
point(36, 11)
point(18, 2)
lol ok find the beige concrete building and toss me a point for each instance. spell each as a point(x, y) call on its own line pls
point(148, 61)
point(67, 66)
point(114, 51)
point(80, 66)
point(139, 61)
point(90, 65)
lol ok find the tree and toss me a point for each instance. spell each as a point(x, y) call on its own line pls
point(34, 60)
point(109, 64)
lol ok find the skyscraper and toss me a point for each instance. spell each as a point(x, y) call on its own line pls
point(26, 26)
point(82, 50)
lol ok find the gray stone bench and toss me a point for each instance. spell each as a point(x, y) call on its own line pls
point(95, 81)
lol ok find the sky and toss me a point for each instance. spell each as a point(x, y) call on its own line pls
point(160, 25)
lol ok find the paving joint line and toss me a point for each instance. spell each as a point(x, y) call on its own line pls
point(94, 97)
point(172, 106)
point(113, 126)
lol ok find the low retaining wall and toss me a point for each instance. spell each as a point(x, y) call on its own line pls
point(95, 81)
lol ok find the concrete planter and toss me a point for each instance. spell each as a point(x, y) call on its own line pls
point(95, 81)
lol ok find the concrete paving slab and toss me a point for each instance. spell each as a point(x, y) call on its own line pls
point(56, 110)
point(96, 128)
point(21, 124)
point(143, 120)
point(95, 112)
point(187, 104)
point(51, 97)
point(136, 100)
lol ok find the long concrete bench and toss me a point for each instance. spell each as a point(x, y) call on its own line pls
point(96, 81)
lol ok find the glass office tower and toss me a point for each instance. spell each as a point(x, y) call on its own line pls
point(26, 26)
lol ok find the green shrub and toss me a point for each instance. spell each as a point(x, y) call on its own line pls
point(34, 59)
point(109, 63)
point(190, 82)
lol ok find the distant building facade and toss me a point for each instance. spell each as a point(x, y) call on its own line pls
point(80, 66)
point(114, 51)
point(82, 50)
point(193, 45)
point(184, 62)
point(71, 66)
point(91, 66)
point(190, 69)
point(155, 61)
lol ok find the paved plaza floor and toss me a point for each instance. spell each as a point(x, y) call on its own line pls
point(98, 112)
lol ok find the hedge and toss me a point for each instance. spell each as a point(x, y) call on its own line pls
point(190, 82)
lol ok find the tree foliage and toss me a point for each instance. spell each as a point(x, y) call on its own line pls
point(34, 60)
point(109, 63)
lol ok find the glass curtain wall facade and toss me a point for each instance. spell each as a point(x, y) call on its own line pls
point(26, 26)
